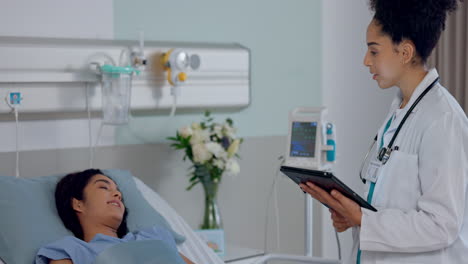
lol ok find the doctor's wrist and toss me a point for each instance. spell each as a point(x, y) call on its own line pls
point(358, 218)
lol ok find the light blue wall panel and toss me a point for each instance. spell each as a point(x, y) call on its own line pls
point(284, 39)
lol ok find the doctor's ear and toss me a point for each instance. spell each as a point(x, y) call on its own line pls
point(77, 205)
point(408, 52)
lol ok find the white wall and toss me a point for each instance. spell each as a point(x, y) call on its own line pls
point(57, 18)
point(355, 102)
point(61, 19)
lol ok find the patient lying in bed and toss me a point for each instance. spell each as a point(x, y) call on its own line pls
point(92, 207)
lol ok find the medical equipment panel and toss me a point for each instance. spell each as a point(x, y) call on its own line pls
point(311, 141)
point(310, 147)
point(55, 72)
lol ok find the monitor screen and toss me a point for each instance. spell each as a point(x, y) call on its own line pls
point(303, 136)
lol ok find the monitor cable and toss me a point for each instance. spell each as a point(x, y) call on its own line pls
point(338, 244)
point(273, 191)
point(14, 104)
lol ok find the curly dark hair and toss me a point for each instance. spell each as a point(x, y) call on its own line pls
point(72, 186)
point(421, 21)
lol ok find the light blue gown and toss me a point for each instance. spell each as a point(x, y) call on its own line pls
point(81, 252)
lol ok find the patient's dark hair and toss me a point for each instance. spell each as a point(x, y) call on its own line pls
point(421, 21)
point(72, 186)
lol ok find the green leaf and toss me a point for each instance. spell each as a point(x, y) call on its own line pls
point(188, 153)
point(193, 178)
point(192, 185)
point(229, 121)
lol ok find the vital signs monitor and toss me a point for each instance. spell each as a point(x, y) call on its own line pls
point(309, 140)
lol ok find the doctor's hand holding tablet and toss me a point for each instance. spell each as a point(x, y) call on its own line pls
point(344, 204)
point(345, 213)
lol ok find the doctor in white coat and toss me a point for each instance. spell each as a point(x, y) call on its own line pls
point(420, 187)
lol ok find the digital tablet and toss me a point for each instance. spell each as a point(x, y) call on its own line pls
point(326, 181)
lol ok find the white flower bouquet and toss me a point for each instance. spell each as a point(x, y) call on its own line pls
point(213, 149)
point(210, 145)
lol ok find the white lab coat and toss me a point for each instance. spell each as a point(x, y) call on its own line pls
point(421, 192)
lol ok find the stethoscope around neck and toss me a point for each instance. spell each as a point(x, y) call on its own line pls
point(385, 152)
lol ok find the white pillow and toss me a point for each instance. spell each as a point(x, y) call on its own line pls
point(194, 247)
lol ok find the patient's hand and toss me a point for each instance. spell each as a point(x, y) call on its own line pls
point(340, 223)
point(61, 261)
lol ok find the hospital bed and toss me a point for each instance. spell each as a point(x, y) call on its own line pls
point(194, 247)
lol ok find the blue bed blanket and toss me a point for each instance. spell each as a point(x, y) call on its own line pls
point(142, 252)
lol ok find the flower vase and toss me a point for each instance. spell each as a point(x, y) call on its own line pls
point(211, 216)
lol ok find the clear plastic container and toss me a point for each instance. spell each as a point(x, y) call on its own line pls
point(116, 94)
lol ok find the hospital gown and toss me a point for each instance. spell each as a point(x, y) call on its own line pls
point(81, 252)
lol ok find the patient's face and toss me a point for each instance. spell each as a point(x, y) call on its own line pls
point(102, 202)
